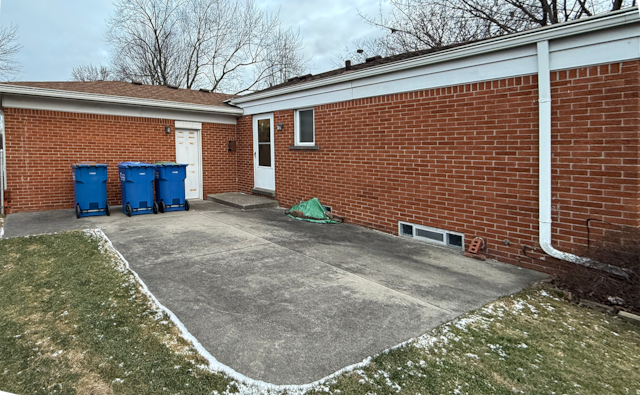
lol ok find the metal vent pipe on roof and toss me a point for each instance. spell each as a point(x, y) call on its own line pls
point(347, 65)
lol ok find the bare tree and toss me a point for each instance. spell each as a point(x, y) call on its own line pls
point(146, 42)
point(422, 24)
point(9, 47)
point(282, 60)
point(222, 45)
point(92, 73)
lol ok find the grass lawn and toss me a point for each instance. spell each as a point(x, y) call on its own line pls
point(73, 321)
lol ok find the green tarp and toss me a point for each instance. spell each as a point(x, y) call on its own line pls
point(313, 211)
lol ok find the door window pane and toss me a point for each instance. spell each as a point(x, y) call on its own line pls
point(264, 130)
point(264, 155)
point(305, 119)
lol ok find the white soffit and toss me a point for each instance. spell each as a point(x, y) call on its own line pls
point(612, 38)
point(90, 107)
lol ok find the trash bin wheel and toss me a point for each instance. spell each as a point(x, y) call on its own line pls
point(186, 205)
point(78, 211)
point(162, 207)
point(108, 210)
point(129, 210)
point(155, 208)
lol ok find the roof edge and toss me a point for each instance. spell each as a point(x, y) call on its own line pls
point(7, 88)
point(597, 22)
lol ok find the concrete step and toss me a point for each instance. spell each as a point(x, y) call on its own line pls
point(242, 201)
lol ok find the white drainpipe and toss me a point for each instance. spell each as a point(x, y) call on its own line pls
point(3, 153)
point(544, 177)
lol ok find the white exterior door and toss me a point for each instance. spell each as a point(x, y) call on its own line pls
point(263, 152)
point(188, 151)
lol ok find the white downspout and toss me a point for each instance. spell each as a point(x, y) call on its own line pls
point(544, 177)
point(3, 154)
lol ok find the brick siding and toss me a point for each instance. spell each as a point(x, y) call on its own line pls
point(41, 146)
point(461, 158)
point(465, 159)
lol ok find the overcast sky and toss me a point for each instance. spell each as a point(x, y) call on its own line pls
point(57, 35)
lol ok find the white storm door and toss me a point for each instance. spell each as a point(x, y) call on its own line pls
point(188, 151)
point(264, 175)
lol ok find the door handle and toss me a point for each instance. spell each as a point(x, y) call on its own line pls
point(254, 154)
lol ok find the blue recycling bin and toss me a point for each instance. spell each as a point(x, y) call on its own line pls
point(136, 186)
point(90, 189)
point(170, 192)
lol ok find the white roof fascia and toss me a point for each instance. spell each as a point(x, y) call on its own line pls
point(587, 25)
point(133, 101)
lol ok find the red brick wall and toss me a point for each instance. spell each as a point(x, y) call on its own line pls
point(244, 134)
point(41, 146)
point(465, 159)
point(219, 164)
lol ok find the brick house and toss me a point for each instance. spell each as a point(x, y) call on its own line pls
point(498, 139)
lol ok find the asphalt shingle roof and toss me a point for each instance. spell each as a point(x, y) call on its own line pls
point(127, 89)
point(356, 67)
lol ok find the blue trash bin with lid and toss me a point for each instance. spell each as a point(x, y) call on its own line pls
point(90, 189)
point(170, 192)
point(136, 186)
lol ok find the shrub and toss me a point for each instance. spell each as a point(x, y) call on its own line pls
point(618, 247)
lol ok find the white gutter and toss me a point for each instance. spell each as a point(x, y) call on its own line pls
point(544, 177)
point(586, 25)
point(132, 101)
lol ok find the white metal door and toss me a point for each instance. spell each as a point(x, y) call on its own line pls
point(188, 151)
point(263, 152)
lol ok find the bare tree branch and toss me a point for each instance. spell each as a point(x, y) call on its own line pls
point(223, 45)
point(9, 48)
point(92, 73)
point(422, 24)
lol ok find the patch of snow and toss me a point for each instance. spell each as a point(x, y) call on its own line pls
point(471, 355)
point(615, 300)
point(522, 345)
point(498, 349)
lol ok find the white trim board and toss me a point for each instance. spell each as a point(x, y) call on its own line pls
point(617, 41)
point(610, 20)
point(100, 98)
point(88, 107)
point(188, 125)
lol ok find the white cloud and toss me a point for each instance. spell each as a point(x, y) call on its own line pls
point(57, 36)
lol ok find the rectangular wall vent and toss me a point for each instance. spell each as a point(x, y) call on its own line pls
point(433, 235)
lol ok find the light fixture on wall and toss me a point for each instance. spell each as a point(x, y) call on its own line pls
point(279, 126)
point(167, 129)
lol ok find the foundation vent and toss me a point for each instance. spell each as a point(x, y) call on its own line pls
point(432, 235)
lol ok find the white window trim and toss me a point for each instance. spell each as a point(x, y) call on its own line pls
point(297, 127)
point(445, 234)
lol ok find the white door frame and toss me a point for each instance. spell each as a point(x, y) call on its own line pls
point(271, 185)
point(192, 128)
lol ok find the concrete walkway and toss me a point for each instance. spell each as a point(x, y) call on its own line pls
point(287, 301)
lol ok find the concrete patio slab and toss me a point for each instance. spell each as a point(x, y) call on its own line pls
point(242, 200)
point(289, 302)
point(25, 224)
